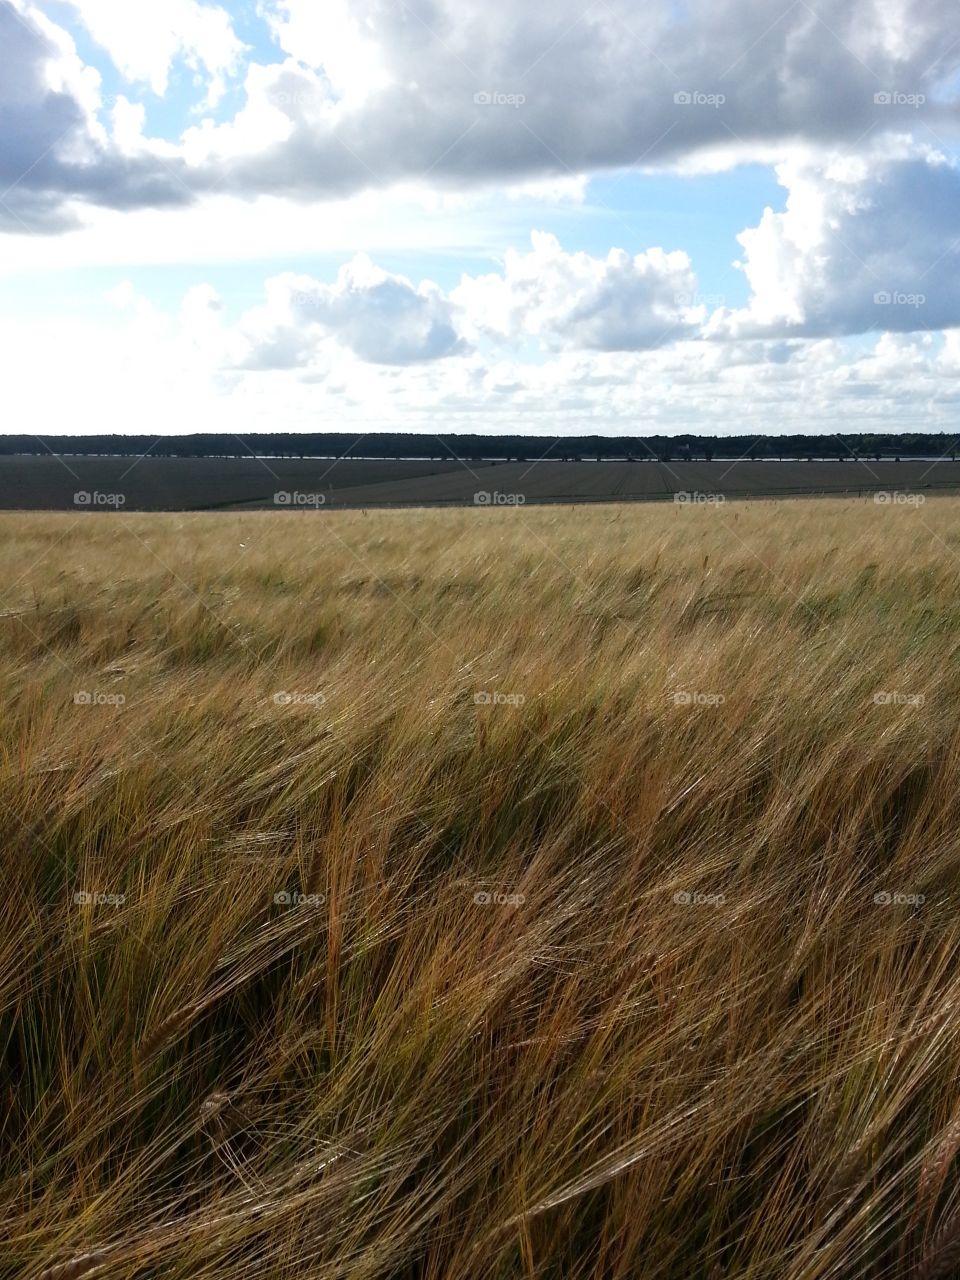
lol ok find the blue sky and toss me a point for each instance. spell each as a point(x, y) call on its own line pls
point(447, 213)
point(630, 212)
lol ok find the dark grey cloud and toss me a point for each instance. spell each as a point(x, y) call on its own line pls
point(498, 91)
point(49, 150)
point(478, 93)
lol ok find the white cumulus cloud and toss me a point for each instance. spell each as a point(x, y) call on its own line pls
point(379, 317)
point(144, 39)
point(622, 302)
point(864, 244)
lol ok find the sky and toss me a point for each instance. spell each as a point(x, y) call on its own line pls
point(492, 216)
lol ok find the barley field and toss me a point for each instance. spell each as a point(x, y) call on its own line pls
point(550, 892)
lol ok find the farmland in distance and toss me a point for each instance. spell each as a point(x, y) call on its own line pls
point(211, 484)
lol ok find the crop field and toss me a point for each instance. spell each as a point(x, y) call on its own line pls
point(188, 484)
point(509, 894)
point(195, 484)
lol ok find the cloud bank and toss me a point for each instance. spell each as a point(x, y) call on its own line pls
point(454, 92)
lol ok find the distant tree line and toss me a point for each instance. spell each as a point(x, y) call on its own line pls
point(481, 448)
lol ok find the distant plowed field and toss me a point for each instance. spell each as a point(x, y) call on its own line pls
point(185, 484)
point(191, 484)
